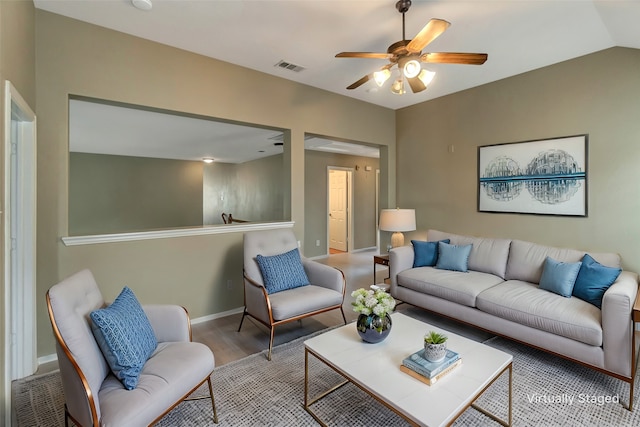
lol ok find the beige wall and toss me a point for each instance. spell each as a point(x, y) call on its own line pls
point(250, 191)
point(598, 94)
point(115, 194)
point(82, 59)
point(364, 200)
point(17, 64)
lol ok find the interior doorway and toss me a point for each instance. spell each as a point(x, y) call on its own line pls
point(340, 195)
point(19, 227)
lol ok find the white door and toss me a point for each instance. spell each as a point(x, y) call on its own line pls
point(19, 240)
point(338, 210)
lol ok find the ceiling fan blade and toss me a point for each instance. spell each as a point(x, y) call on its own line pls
point(372, 55)
point(454, 58)
point(429, 33)
point(360, 82)
point(416, 85)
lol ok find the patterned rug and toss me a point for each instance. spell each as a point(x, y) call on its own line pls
point(547, 391)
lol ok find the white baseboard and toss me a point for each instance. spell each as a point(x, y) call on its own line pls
point(372, 248)
point(54, 357)
point(47, 359)
point(217, 315)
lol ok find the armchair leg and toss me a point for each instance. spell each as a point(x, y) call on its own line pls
point(244, 313)
point(343, 316)
point(213, 402)
point(273, 330)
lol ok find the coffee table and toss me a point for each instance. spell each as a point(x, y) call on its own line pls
point(343, 350)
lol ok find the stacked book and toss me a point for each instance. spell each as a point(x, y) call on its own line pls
point(430, 372)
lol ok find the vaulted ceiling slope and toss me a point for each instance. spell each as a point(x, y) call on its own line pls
point(518, 35)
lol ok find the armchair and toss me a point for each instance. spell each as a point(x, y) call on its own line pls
point(93, 395)
point(324, 292)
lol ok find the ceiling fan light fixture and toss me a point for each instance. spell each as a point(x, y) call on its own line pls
point(426, 76)
point(381, 76)
point(412, 68)
point(398, 86)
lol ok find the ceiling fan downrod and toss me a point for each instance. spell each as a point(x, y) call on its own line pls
point(403, 6)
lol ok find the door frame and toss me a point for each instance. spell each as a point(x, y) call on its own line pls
point(349, 204)
point(19, 215)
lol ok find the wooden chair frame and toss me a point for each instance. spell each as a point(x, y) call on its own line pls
point(87, 389)
point(273, 323)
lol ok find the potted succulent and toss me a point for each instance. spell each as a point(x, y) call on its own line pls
point(435, 346)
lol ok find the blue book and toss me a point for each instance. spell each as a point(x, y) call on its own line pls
point(416, 362)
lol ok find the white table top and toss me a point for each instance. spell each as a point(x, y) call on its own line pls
point(376, 368)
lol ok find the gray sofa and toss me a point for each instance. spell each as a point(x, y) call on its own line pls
point(500, 294)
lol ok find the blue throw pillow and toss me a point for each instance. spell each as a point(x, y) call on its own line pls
point(453, 257)
point(125, 336)
point(425, 254)
point(593, 280)
point(282, 272)
point(559, 277)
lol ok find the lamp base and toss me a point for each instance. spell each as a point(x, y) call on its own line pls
point(397, 239)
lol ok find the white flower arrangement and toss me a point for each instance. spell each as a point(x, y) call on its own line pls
point(376, 302)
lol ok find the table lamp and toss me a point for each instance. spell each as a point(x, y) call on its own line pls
point(397, 220)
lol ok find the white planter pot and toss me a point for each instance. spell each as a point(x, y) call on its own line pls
point(435, 352)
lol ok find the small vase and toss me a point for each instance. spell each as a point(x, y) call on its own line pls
point(435, 352)
point(373, 328)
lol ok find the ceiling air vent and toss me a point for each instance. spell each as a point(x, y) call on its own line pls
point(289, 66)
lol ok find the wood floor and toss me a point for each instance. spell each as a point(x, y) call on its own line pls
point(227, 344)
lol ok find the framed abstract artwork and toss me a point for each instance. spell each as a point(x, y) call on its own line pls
point(542, 177)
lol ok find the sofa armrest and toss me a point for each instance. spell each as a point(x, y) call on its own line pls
point(617, 325)
point(170, 323)
point(324, 275)
point(400, 259)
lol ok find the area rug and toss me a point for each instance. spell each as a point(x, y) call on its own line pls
point(547, 391)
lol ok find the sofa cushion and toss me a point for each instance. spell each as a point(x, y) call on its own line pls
point(525, 303)
point(425, 254)
point(455, 286)
point(487, 255)
point(453, 257)
point(125, 336)
point(283, 271)
point(559, 277)
point(526, 259)
point(593, 280)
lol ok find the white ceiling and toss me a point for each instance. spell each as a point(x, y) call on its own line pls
point(518, 35)
point(103, 128)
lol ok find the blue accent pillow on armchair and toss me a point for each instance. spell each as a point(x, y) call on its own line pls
point(453, 257)
point(125, 337)
point(593, 280)
point(282, 272)
point(425, 254)
point(559, 277)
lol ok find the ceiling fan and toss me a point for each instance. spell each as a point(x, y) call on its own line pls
point(407, 54)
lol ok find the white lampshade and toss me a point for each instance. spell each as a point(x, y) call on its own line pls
point(397, 221)
point(411, 68)
point(426, 76)
point(398, 86)
point(381, 76)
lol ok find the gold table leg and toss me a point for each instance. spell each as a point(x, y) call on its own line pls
point(507, 423)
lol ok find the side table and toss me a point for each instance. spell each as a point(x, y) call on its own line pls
point(379, 260)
